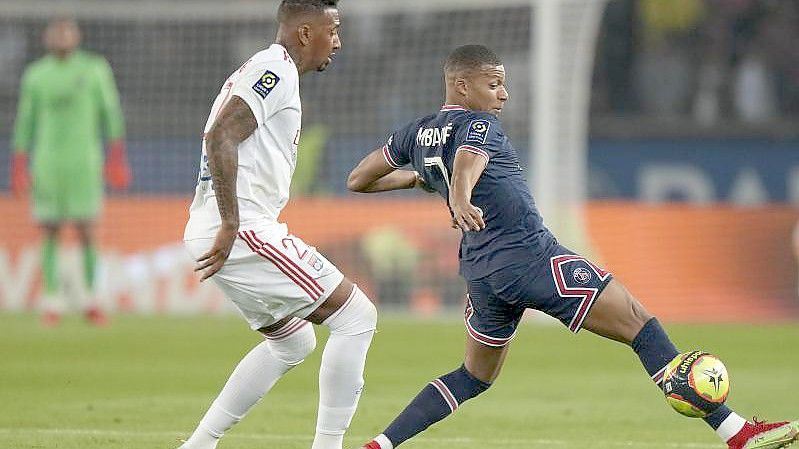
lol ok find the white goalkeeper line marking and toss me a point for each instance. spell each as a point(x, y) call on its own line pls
point(168, 436)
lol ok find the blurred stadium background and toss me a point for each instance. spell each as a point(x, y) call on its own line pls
point(661, 137)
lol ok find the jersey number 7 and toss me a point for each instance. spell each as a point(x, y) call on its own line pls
point(436, 161)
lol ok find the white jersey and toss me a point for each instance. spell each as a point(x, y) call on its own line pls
point(269, 84)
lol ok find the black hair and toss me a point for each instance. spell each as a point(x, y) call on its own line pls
point(470, 57)
point(291, 8)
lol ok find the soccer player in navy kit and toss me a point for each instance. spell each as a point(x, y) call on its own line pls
point(509, 259)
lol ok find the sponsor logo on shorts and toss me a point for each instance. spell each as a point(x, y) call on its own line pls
point(581, 275)
point(315, 263)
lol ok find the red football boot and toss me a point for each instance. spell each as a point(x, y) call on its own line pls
point(96, 316)
point(765, 435)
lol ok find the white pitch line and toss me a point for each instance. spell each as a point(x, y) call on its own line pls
point(296, 437)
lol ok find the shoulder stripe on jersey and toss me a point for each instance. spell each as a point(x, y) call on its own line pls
point(474, 150)
point(452, 107)
point(389, 159)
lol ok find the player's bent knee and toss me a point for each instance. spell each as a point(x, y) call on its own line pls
point(292, 349)
point(356, 316)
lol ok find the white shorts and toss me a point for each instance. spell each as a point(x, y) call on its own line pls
point(271, 274)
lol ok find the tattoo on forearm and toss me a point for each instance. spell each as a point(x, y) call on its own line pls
point(234, 124)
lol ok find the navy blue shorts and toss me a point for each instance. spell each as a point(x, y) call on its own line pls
point(563, 285)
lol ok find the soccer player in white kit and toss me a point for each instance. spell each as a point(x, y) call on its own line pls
point(279, 283)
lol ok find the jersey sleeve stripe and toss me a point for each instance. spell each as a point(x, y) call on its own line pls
point(222, 105)
point(389, 159)
point(474, 150)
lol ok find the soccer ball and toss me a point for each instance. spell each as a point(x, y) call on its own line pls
point(696, 383)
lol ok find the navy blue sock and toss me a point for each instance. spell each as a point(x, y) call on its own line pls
point(656, 351)
point(435, 402)
point(716, 418)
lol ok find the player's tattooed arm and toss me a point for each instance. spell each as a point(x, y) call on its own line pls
point(373, 174)
point(235, 123)
point(466, 171)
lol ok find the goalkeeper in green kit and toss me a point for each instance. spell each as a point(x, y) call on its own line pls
point(68, 106)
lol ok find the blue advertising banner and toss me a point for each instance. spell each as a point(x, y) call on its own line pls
point(741, 172)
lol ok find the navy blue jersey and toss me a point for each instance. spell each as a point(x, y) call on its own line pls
point(514, 231)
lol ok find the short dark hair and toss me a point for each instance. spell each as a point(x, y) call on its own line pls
point(291, 8)
point(470, 57)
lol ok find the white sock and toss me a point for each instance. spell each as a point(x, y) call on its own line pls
point(341, 372)
point(384, 442)
point(730, 426)
point(253, 377)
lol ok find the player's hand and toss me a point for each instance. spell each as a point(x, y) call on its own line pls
point(117, 170)
point(211, 262)
point(20, 179)
point(467, 216)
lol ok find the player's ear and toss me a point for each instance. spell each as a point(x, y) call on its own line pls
point(461, 86)
point(304, 34)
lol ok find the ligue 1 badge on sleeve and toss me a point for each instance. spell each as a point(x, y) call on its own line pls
point(266, 83)
point(478, 131)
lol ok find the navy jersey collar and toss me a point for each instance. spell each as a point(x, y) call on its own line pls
point(452, 107)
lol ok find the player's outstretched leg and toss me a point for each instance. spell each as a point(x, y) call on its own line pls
point(618, 316)
point(341, 372)
point(286, 346)
point(444, 395)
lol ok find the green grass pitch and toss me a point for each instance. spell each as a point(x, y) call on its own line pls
point(144, 383)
